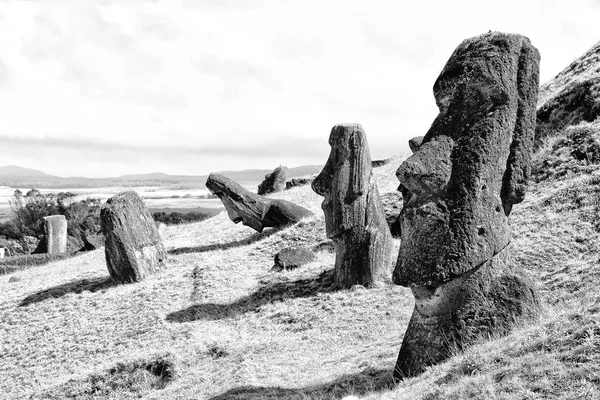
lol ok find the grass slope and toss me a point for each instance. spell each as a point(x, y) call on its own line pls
point(217, 324)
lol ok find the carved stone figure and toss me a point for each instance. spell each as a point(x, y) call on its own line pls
point(132, 246)
point(274, 182)
point(252, 210)
point(354, 216)
point(458, 190)
point(55, 229)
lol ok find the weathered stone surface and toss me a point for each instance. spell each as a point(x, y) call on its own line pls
point(133, 247)
point(293, 257)
point(415, 143)
point(274, 182)
point(354, 216)
point(252, 210)
point(55, 229)
point(458, 190)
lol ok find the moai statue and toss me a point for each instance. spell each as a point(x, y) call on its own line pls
point(459, 188)
point(55, 228)
point(274, 182)
point(257, 212)
point(132, 247)
point(354, 216)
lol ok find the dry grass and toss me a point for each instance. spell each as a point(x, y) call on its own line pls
point(217, 324)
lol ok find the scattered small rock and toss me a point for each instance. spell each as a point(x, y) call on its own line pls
point(14, 279)
point(293, 257)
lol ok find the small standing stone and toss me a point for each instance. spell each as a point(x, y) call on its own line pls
point(55, 227)
point(1, 252)
point(133, 247)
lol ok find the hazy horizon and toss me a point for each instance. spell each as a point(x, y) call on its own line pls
point(107, 88)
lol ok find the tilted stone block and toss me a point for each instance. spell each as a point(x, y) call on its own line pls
point(133, 247)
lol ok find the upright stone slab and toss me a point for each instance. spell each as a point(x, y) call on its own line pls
point(133, 247)
point(274, 182)
point(354, 216)
point(1, 252)
point(257, 212)
point(459, 188)
point(55, 228)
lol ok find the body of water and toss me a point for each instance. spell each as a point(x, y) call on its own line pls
point(156, 198)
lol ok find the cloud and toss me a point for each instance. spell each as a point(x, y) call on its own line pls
point(228, 146)
point(233, 70)
point(4, 78)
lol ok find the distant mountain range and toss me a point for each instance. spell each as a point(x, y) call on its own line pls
point(15, 176)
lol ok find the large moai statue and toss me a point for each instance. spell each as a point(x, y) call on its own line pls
point(133, 247)
point(252, 210)
point(459, 188)
point(55, 229)
point(354, 216)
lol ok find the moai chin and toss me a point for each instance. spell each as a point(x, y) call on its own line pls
point(459, 188)
point(354, 216)
point(55, 228)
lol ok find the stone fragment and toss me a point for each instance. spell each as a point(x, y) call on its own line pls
point(415, 143)
point(257, 212)
point(55, 229)
point(274, 182)
point(297, 182)
point(293, 257)
point(354, 216)
point(133, 248)
point(458, 190)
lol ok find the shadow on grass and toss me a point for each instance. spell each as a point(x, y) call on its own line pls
point(369, 381)
point(269, 292)
point(224, 246)
point(82, 285)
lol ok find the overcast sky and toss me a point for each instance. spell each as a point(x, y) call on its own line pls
point(111, 87)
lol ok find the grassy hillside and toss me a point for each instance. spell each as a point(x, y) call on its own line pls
point(217, 324)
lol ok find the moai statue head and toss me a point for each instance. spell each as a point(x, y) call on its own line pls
point(472, 164)
point(257, 212)
point(354, 216)
point(459, 187)
point(345, 180)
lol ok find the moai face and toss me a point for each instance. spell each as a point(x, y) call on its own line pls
point(472, 164)
point(344, 181)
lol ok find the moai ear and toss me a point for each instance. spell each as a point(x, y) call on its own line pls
point(518, 164)
point(360, 165)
